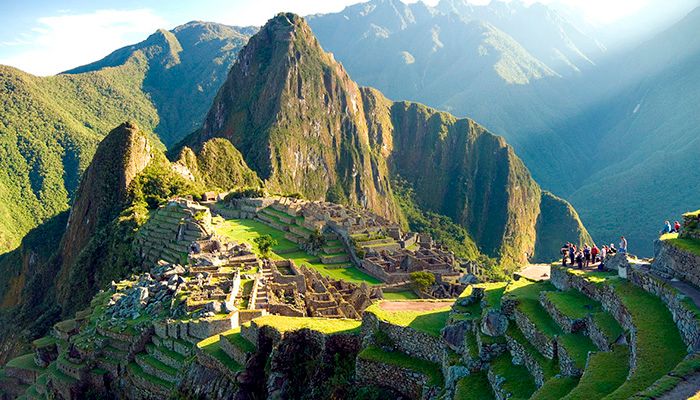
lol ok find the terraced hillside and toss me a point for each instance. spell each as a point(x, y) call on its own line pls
point(582, 335)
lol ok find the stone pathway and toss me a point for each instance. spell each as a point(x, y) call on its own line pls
point(536, 272)
point(414, 305)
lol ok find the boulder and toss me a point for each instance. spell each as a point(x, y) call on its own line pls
point(494, 323)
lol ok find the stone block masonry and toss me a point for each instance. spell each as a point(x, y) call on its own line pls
point(407, 382)
point(407, 340)
point(673, 262)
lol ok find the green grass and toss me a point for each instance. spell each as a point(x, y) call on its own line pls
point(245, 230)
point(430, 322)
point(170, 353)
point(518, 381)
point(577, 346)
point(211, 346)
point(431, 370)
point(323, 325)
point(549, 367)
point(608, 325)
point(24, 362)
point(234, 336)
point(138, 371)
point(474, 387)
point(527, 293)
point(555, 388)
point(666, 383)
point(606, 372)
point(659, 344)
point(403, 295)
point(686, 244)
point(59, 375)
point(44, 342)
point(573, 303)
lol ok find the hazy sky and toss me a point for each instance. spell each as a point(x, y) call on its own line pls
point(45, 37)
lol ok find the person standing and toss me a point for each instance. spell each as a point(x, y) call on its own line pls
point(564, 254)
point(594, 253)
point(623, 244)
point(572, 253)
point(586, 255)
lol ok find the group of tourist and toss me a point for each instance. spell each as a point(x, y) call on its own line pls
point(586, 256)
point(668, 228)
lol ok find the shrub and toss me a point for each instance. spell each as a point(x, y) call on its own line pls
point(265, 243)
point(422, 280)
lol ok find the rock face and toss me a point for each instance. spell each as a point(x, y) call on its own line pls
point(303, 125)
point(119, 158)
point(298, 119)
point(123, 154)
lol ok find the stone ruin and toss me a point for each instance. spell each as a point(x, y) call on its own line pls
point(303, 292)
point(396, 266)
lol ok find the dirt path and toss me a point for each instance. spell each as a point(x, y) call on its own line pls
point(414, 305)
point(536, 272)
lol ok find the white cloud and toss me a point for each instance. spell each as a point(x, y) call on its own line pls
point(61, 42)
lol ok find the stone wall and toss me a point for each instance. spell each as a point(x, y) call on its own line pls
point(672, 262)
point(407, 382)
point(543, 343)
point(566, 323)
point(523, 357)
point(407, 340)
point(685, 314)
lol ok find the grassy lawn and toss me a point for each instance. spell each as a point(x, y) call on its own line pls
point(234, 336)
point(549, 367)
point(606, 372)
point(403, 295)
point(24, 362)
point(555, 388)
point(493, 292)
point(474, 387)
point(689, 245)
point(518, 381)
point(527, 293)
point(431, 370)
point(577, 346)
point(573, 303)
point(430, 322)
point(659, 344)
point(211, 346)
point(245, 230)
point(322, 325)
point(686, 367)
point(608, 325)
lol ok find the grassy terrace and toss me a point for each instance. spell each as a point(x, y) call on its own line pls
point(578, 346)
point(474, 387)
point(689, 245)
point(211, 347)
point(323, 325)
point(573, 303)
point(659, 344)
point(527, 294)
point(493, 292)
point(245, 230)
point(555, 388)
point(518, 381)
point(138, 371)
point(234, 336)
point(431, 370)
point(24, 362)
point(685, 368)
point(430, 322)
point(549, 367)
point(403, 295)
point(606, 372)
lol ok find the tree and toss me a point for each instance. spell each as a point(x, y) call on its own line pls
point(265, 243)
point(422, 280)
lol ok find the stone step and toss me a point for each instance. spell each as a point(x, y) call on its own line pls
point(150, 382)
point(154, 367)
point(166, 356)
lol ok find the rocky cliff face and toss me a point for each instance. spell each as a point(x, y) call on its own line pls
point(303, 125)
point(299, 120)
point(123, 154)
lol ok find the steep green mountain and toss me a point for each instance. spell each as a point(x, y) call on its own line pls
point(303, 125)
point(64, 261)
point(186, 66)
point(50, 127)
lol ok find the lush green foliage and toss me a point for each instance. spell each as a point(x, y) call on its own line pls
point(430, 321)
point(422, 280)
point(265, 243)
point(431, 370)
